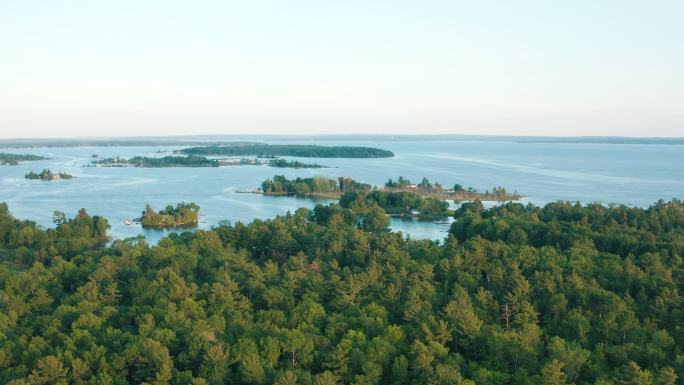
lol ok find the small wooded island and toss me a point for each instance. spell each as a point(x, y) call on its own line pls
point(46, 174)
point(268, 161)
point(7, 159)
point(182, 215)
point(196, 161)
point(166, 161)
point(299, 150)
point(425, 200)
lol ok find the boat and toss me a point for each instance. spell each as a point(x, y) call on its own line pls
point(129, 222)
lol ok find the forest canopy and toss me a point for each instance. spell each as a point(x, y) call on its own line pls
point(516, 294)
point(183, 214)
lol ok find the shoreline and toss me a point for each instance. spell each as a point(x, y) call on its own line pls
point(457, 198)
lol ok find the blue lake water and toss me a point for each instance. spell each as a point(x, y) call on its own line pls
point(633, 174)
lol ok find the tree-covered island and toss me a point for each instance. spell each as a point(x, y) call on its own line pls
point(457, 192)
point(317, 187)
point(46, 174)
point(196, 161)
point(268, 161)
point(7, 159)
point(182, 215)
point(297, 150)
point(166, 161)
point(282, 163)
point(425, 200)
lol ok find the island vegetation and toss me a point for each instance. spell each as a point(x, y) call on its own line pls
point(318, 186)
point(402, 203)
point(166, 161)
point(7, 159)
point(298, 150)
point(182, 215)
point(46, 174)
point(457, 192)
point(426, 200)
point(516, 294)
point(268, 161)
point(196, 161)
point(282, 163)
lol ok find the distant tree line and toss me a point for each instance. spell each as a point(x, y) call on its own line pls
point(14, 159)
point(298, 150)
point(282, 163)
point(166, 161)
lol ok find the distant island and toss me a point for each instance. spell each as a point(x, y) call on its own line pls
point(320, 186)
point(457, 193)
point(196, 161)
point(299, 150)
point(282, 163)
point(182, 215)
point(317, 187)
point(7, 159)
point(46, 174)
point(401, 197)
point(271, 161)
point(166, 161)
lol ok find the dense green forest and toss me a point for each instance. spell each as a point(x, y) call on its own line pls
point(14, 159)
point(46, 174)
point(318, 185)
point(395, 202)
point(300, 150)
point(166, 161)
point(183, 214)
point(560, 294)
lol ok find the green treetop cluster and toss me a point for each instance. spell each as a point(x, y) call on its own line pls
point(560, 294)
point(395, 202)
point(279, 184)
point(183, 214)
point(46, 174)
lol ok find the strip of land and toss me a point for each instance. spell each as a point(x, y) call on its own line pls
point(425, 200)
point(298, 150)
point(46, 174)
point(196, 161)
point(7, 159)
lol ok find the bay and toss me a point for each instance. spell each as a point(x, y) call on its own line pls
point(633, 174)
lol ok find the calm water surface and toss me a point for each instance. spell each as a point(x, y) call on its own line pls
point(608, 173)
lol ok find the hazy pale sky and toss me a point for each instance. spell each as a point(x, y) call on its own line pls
point(585, 67)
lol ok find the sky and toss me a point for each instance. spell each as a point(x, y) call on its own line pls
point(561, 68)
